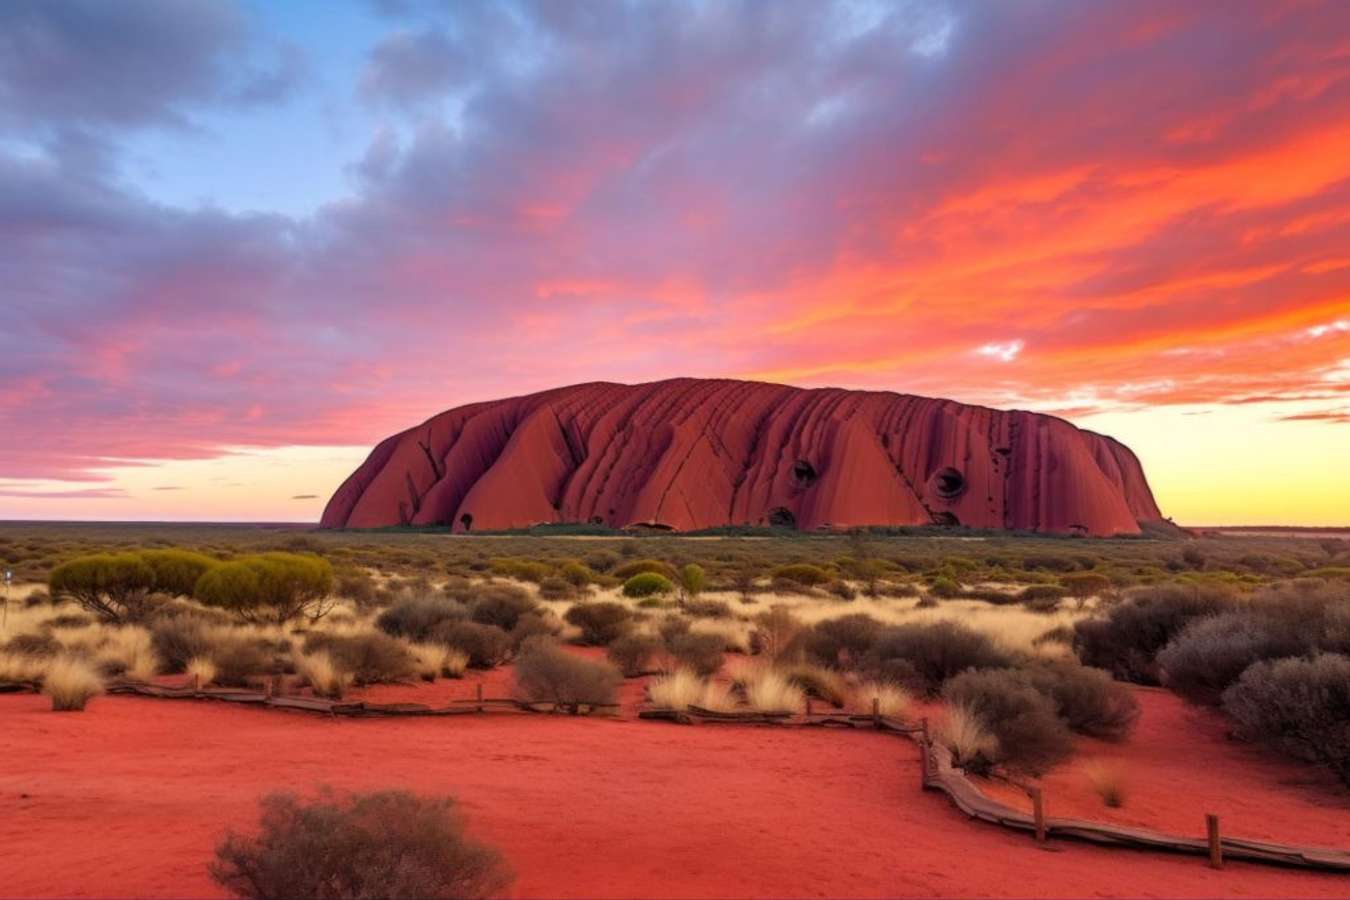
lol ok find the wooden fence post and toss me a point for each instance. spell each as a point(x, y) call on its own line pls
point(1038, 812)
point(274, 686)
point(480, 696)
point(196, 683)
point(808, 706)
point(876, 712)
point(1215, 846)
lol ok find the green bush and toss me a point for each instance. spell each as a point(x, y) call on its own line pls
point(177, 571)
point(385, 844)
point(944, 586)
point(576, 574)
point(545, 671)
point(1041, 597)
point(639, 566)
point(1082, 585)
point(113, 586)
point(692, 580)
point(1031, 738)
point(647, 584)
point(600, 622)
point(269, 587)
point(1299, 706)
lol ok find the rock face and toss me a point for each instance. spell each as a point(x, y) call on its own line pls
point(690, 453)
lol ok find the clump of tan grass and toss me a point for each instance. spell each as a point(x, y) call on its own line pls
point(70, 682)
point(429, 659)
point(322, 674)
point(769, 690)
point(130, 650)
point(676, 690)
point(972, 745)
point(454, 663)
point(202, 670)
point(891, 700)
point(21, 667)
point(819, 681)
point(1108, 781)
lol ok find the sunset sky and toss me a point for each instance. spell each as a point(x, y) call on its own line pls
point(241, 242)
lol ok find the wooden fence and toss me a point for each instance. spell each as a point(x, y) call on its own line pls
point(938, 771)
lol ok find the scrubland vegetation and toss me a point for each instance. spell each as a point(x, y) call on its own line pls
point(384, 844)
point(1025, 641)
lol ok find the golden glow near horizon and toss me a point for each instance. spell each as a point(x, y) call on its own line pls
point(1226, 465)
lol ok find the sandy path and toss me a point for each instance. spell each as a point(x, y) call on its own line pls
point(128, 799)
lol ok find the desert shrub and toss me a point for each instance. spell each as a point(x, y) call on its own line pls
point(238, 659)
point(534, 624)
point(707, 609)
point(356, 586)
point(1211, 652)
point(113, 586)
point(698, 651)
point(1126, 640)
point(485, 645)
point(1082, 585)
point(803, 575)
point(944, 586)
point(640, 566)
point(385, 844)
point(692, 580)
point(576, 574)
point(1030, 735)
point(678, 690)
point(202, 669)
point(923, 656)
point(40, 645)
point(774, 632)
point(371, 657)
point(545, 671)
point(647, 584)
point(601, 560)
point(633, 653)
point(521, 569)
point(1299, 706)
point(418, 618)
point(269, 587)
point(556, 588)
point(178, 640)
point(176, 571)
point(70, 682)
point(600, 622)
point(504, 608)
point(842, 589)
point(127, 651)
point(1088, 700)
point(837, 643)
point(1041, 597)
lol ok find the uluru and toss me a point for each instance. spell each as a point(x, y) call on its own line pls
point(688, 454)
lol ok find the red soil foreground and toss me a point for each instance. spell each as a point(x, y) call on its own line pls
point(129, 798)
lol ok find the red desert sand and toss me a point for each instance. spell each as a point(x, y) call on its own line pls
point(689, 453)
point(129, 798)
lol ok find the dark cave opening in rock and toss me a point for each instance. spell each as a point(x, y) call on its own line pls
point(803, 473)
point(782, 517)
point(949, 483)
point(946, 519)
point(467, 521)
